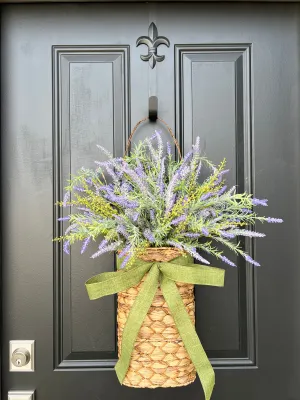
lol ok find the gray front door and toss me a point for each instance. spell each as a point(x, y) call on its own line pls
point(72, 77)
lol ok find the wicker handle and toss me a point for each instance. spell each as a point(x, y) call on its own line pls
point(143, 120)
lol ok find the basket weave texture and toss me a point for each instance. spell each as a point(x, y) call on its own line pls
point(159, 358)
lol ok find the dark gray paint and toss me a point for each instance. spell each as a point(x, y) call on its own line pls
point(91, 90)
point(230, 75)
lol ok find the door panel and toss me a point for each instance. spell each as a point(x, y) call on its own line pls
point(91, 90)
point(72, 78)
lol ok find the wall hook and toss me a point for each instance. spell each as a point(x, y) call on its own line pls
point(153, 106)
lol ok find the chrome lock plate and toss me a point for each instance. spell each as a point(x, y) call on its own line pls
point(21, 355)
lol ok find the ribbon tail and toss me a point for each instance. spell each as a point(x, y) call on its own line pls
point(135, 319)
point(189, 336)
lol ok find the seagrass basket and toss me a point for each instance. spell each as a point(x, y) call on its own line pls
point(159, 358)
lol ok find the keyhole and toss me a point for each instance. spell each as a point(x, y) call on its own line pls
point(19, 362)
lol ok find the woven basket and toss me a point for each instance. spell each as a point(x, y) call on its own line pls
point(159, 358)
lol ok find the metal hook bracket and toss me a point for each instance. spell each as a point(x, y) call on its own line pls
point(153, 106)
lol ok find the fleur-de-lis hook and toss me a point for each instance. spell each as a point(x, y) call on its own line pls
point(152, 41)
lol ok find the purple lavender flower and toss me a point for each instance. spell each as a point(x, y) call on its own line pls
point(205, 231)
point(106, 249)
point(140, 170)
point(106, 152)
point(170, 191)
point(251, 261)
point(126, 187)
point(160, 180)
point(102, 244)
point(274, 220)
point(177, 220)
point(191, 235)
point(212, 212)
point(204, 213)
point(70, 228)
point(220, 177)
point(149, 235)
point(152, 215)
point(123, 201)
point(222, 190)
point(206, 196)
point(125, 261)
point(103, 163)
point(246, 211)
point(139, 182)
point(183, 172)
point(198, 170)
point(172, 202)
point(245, 232)
point(89, 181)
point(112, 174)
point(119, 174)
point(105, 188)
point(66, 247)
point(152, 150)
point(188, 156)
point(169, 150)
point(227, 261)
point(124, 251)
point(63, 218)
point(196, 255)
point(66, 199)
point(174, 244)
point(134, 216)
point(85, 244)
point(196, 146)
point(227, 235)
point(160, 146)
point(225, 171)
point(79, 189)
point(122, 230)
point(235, 220)
point(260, 202)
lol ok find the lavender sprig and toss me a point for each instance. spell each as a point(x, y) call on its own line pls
point(106, 249)
point(149, 235)
point(66, 247)
point(169, 150)
point(66, 198)
point(125, 261)
point(124, 251)
point(85, 244)
point(258, 202)
point(191, 235)
point(227, 261)
point(271, 220)
point(64, 218)
point(251, 261)
point(177, 220)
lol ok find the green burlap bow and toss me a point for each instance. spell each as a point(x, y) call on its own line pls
point(180, 269)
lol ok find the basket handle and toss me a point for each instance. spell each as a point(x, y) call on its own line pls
point(145, 119)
